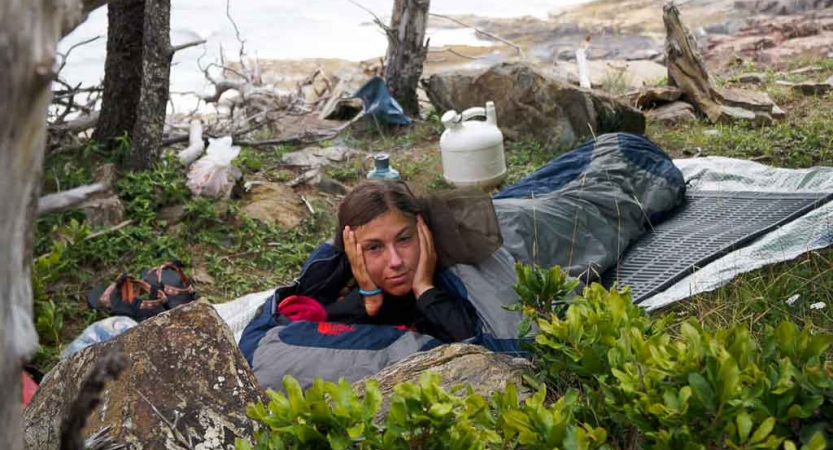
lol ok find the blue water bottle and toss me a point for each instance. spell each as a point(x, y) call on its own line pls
point(383, 170)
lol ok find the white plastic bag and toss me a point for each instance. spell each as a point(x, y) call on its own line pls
point(211, 175)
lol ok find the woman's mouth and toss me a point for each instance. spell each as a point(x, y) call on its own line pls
point(398, 279)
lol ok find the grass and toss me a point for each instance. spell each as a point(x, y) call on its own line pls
point(760, 298)
point(243, 255)
point(803, 139)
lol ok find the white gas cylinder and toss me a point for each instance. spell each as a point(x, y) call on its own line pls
point(472, 150)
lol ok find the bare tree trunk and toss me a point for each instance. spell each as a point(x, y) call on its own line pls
point(136, 78)
point(29, 34)
point(406, 53)
point(150, 118)
point(122, 69)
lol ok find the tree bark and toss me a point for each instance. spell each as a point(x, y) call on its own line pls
point(156, 64)
point(406, 53)
point(123, 71)
point(136, 78)
point(29, 34)
point(687, 71)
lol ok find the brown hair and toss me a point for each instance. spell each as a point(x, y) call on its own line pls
point(372, 198)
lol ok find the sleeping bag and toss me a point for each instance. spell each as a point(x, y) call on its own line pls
point(580, 210)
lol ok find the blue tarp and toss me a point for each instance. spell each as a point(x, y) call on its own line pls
point(379, 104)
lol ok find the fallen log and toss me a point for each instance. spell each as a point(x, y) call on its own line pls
point(63, 201)
point(687, 71)
point(99, 200)
point(78, 125)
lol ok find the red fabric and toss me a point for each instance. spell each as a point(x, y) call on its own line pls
point(334, 329)
point(29, 388)
point(298, 307)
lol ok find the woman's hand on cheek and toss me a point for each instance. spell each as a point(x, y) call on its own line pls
point(424, 275)
point(355, 255)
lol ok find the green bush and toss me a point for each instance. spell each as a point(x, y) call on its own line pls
point(689, 388)
point(421, 416)
point(629, 380)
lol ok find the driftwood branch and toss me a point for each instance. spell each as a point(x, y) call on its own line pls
point(196, 144)
point(687, 70)
point(455, 52)
point(305, 138)
point(63, 201)
point(109, 230)
point(76, 126)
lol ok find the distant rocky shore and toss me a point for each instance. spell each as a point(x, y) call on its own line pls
point(627, 41)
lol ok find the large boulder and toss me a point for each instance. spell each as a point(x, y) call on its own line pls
point(487, 372)
point(181, 364)
point(533, 104)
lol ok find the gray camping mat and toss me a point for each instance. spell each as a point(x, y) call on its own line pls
point(710, 224)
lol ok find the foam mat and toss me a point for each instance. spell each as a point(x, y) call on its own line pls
point(707, 226)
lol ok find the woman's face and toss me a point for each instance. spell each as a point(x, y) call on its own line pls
point(390, 245)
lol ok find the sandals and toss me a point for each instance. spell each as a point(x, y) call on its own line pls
point(162, 288)
point(170, 278)
point(128, 297)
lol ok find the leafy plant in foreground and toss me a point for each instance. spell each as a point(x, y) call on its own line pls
point(421, 416)
point(691, 388)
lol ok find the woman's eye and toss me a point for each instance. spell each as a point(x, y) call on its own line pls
point(372, 248)
point(406, 238)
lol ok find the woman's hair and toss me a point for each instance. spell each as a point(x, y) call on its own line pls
point(372, 198)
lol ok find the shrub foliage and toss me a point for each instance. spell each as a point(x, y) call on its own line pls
point(617, 377)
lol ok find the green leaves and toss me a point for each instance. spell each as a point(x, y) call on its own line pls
point(703, 391)
point(744, 423)
point(622, 372)
point(422, 415)
point(763, 431)
point(542, 291)
point(691, 388)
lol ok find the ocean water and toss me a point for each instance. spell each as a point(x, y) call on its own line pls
point(282, 29)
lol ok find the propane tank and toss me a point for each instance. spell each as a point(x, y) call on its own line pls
point(472, 150)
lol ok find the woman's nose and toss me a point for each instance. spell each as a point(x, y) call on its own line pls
point(394, 260)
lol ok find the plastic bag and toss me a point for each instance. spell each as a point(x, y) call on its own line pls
point(212, 175)
point(100, 331)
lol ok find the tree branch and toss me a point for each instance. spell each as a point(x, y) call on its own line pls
point(455, 52)
point(177, 48)
point(65, 56)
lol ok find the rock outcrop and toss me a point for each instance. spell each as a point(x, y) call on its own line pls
point(276, 203)
point(486, 371)
point(530, 103)
point(183, 366)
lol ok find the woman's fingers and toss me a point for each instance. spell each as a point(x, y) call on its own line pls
point(426, 237)
point(355, 255)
